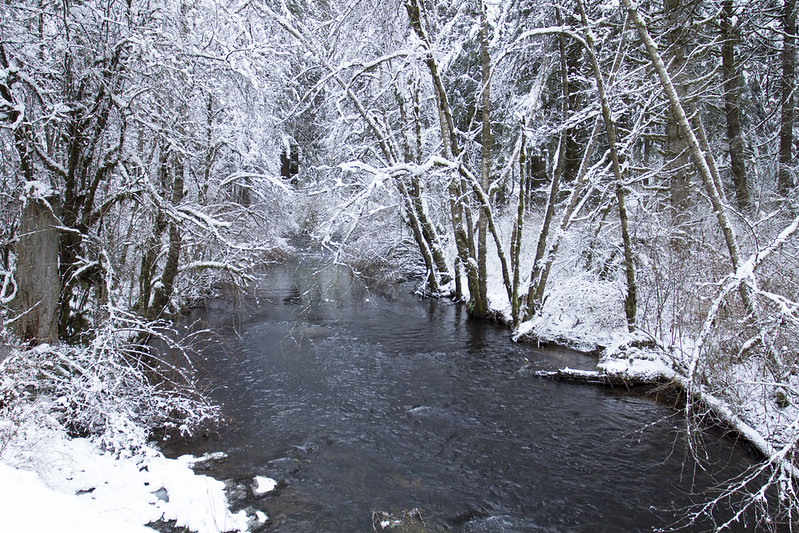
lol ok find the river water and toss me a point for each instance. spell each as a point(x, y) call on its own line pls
point(360, 400)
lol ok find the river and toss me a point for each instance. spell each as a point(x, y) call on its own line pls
point(360, 400)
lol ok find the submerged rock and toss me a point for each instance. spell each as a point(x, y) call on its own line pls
point(408, 521)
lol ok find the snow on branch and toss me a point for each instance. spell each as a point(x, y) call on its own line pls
point(200, 218)
point(271, 180)
point(369, 65)
point(8, 289)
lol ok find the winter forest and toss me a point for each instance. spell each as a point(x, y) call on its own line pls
point(618, 177)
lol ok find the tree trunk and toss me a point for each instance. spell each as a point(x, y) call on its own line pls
point(577, 187)
point(163, 289)
point(428, 230)
point(675, 149)
point(458, 191)
point(787, 87)
point(152, 250)
point(535, 293)
point(516, 235)
point(732, 104)
point(480, 305)
point(38, 281)
point(695, 150)
point(419, 237)
point(631, 298)
point(575, 136)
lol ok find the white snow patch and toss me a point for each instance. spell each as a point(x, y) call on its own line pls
point(263, 485)
point(27, 504)
point(631, 358)
point(580, 312)
point(37, 189)
point(75, 486)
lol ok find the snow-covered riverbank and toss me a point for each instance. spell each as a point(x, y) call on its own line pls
point(50, 482)
point(114, 480)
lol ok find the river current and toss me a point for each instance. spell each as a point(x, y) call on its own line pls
point(360, 400)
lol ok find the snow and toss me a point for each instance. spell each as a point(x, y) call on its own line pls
point(263, 485)
point(37, 189)
point(580, 312)
point(628, 361)
point(50, 482)
point(26, 504)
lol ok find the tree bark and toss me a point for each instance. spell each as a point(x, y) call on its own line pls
point(535, 293)
point(785, 180)
point(480, 303)
point(421, 241)
point(675, 149)
point(577, 187)
point(162, 291)
point(38, 281)
point(631, 298)
point(457, 188)
point(428, 231)
point(732, 104)
point(518, 228)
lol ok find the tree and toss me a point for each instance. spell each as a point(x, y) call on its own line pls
point(678, 23)
point(98, 110)
point(732, 102)
point(711, 184)
point(785, 181)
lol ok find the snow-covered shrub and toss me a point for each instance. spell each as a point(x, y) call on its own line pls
point(116, 389)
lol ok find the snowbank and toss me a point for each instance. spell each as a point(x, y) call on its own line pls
point(27, 504)
point(49, 482)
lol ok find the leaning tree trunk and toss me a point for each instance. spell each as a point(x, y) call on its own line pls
point(428, 231)
point(480, 303)
point(457, 188)
point(579, 183)
point(416, 228)
point(631, 298)
point(695, 150)
point(518, 228)
point(535, 293)
point(424, 233)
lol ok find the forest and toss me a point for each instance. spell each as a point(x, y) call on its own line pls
point(619, 177)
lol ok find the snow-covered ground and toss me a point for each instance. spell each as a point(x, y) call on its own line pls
point(50, 482)
point(115, 480)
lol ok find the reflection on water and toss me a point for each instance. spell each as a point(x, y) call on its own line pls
point(358, 401)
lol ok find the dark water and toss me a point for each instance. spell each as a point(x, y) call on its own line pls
point(358, 402)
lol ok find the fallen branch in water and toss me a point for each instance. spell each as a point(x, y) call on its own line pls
point(594, 377)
